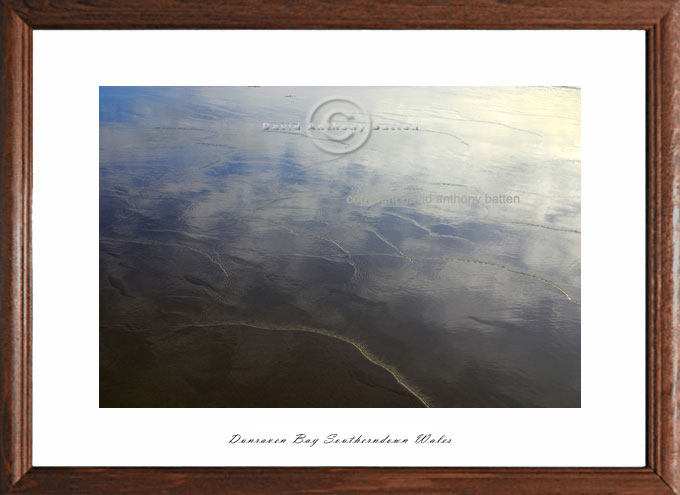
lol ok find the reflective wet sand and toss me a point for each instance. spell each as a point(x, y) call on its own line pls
point(437, 267)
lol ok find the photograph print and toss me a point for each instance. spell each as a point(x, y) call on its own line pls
point(339, 247)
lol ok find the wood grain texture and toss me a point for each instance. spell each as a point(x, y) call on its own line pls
point(661, 20)
point(654, 203)
point(15, 286)
point(362, 481)
point(669, 369)
point(344, 14)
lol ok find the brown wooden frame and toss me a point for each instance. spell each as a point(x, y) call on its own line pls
point(661, 21)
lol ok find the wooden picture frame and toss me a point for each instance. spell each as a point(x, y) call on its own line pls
point(661, 21)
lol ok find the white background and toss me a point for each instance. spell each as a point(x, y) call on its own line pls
point(70, 429)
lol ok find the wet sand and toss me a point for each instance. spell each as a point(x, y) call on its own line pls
point(242, 366)
point(240, 268)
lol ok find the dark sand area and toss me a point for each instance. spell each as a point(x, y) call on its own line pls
point(241, 366)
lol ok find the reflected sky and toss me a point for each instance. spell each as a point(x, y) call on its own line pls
point(244, 267)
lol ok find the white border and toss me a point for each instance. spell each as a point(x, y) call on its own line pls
point(69, 429)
